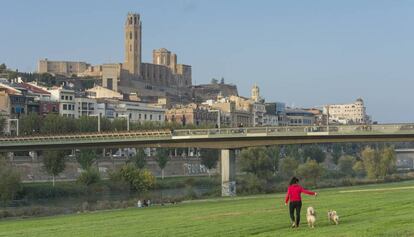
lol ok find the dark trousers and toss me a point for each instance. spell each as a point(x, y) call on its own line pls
point(292, 207)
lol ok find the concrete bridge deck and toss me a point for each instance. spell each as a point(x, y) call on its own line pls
point(227, 138)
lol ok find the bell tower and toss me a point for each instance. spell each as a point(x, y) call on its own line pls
point(255, 93)
point(133, 44)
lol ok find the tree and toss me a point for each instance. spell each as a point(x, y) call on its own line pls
point(371, 161)
point(3, 67)
point(359, 169)
point(336, 152)
point(87, 124)
point(293, 151)
point(388, 160)
point(346, 164)
point(89, 176)
point(30, 124)
point(10, 182)
point(85, 158)
point(310, 170)
point(54, 163)
point(287, 167)
point(162, 159)
point(255, 160)
point(273, 153)
point(314, 152)
point(378, 163)
point(209, 158)
point(47, 79)
point(2, 124)
point(139, 158)
point(138, 180)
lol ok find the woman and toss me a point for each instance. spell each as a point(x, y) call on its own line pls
point(293, 194)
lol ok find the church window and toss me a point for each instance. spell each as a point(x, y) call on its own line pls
point(130, 35)
point(130, 20)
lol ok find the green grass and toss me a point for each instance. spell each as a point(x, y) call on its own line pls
point(384, 212)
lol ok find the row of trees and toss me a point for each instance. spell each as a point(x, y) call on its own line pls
point(32, 124)
point(310, 163)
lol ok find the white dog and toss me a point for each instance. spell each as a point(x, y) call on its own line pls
point(311, 217)
point(333, 217)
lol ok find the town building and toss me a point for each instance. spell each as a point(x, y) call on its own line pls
point(66, 99)
point(353, 113)
point(234, 111)
point(299, 117)
point(98, 92)
point(275, 114)
point(139, 112)
point(192, 114)
point(85, 106)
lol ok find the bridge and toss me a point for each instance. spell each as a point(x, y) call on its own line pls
point(227, 139)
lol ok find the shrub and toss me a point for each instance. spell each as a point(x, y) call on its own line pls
point(138, 180)
point(250, 184)
point(9, 181)
point(89, 176)
point(310, 170)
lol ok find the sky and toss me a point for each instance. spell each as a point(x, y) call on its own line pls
point(303, 53)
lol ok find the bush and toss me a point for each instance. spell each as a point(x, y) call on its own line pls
point(138, 180)
point(10, 182)
point(250, 184)
point(90, 176)
point(310, 170)
point(46, 190)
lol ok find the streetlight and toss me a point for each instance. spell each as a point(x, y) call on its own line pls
point(218, 116)
point(127, 117)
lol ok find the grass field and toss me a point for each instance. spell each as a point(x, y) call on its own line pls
point(372, 210)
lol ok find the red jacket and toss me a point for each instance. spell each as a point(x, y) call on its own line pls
point(294, 191)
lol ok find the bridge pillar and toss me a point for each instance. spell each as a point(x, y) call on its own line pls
point(228, 172)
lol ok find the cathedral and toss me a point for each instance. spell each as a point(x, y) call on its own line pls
point(163, 76)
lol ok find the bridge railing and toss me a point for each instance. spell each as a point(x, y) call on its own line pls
point(301, 130)
point(224, 132)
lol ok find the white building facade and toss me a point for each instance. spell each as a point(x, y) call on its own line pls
point(353, 113)
point(66, 99)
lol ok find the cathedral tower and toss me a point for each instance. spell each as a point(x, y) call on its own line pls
point(133, 44)
point(255, 93)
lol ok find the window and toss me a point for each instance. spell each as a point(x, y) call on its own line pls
point(130, 35)
point(150, 116)
point(159, 117)
point(130, 116)
point(62, 97)
point(66, 97)
point(145, 116)
point(65, 107)
point(70, 97)
point(139, 116)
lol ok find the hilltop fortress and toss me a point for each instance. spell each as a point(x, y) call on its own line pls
point(163, 77)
